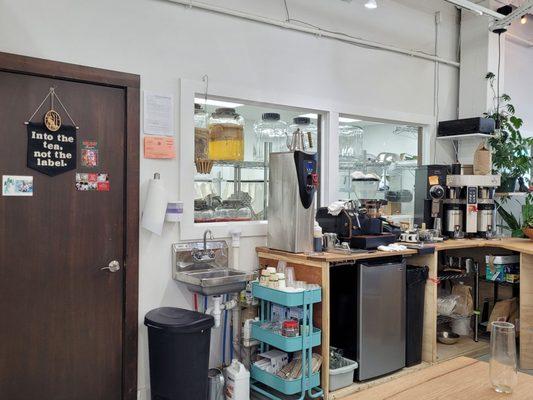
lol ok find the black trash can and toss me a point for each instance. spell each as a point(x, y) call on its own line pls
point(178, 344)
point(415, 294)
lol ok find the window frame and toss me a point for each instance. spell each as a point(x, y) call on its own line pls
point(329, 144)
point(189, 230)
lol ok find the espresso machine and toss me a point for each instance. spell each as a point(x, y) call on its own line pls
point(293, 181)
point(469, 206)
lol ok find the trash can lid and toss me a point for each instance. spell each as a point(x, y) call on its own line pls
point(178, 320)
point(417, 274)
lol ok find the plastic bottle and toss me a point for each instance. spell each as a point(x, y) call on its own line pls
point(237, 381)
point(317, 238)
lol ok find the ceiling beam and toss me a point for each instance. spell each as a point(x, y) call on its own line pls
point(516, 14)
point(476, 8)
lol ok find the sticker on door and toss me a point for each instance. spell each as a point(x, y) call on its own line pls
point(17, 185)
point(89, 182)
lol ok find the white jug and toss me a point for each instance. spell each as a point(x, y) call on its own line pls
point(237, 381)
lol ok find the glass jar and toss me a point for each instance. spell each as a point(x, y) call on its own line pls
point(226, 212)
point(201, 216)
point(290, 328)
point(351, 141)
point(502, 365)
point(281, 280)
point(201, 133)
point(270, 130)
point(244, 214)
point(264, 280)
point(273, 281)
point(226, 135)
point(309, 131)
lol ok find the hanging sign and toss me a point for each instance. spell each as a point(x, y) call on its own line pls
point(51, 153)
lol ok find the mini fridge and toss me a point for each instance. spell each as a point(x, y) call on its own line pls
point(367, 309)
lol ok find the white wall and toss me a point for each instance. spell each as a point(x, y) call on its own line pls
point(519, 82)
point(164, 42)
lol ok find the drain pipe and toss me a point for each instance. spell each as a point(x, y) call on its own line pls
point(218, 306)
point(236, 313)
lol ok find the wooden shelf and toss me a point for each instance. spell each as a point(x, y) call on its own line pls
point(511, 194)
point(465, 136)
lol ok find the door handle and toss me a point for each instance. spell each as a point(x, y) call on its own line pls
point(113, 266)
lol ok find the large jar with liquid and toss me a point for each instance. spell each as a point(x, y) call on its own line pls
point(269, 130)
point(201, 134)
point(226, 135)
point(351, 141)
point(309, 131)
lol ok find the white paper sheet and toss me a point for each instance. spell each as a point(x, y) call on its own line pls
point(155, 207)
point(158, 114)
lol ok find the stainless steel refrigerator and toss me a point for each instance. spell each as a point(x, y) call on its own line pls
point(380, 318)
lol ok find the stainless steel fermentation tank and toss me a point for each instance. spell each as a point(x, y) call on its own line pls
point(293, 181)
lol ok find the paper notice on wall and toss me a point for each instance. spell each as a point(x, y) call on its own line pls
point(159, 147)
point(158, 114)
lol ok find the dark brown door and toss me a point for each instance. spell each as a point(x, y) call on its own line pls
point(62, 327)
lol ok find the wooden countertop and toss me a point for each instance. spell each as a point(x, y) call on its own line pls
point(334, 257)
point(513, 244)
point(458, 379)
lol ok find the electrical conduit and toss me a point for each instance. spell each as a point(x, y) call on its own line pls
point(313, 31)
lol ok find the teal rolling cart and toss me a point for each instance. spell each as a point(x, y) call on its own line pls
point(309, 338)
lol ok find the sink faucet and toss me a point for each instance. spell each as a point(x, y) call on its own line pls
point(205, 237)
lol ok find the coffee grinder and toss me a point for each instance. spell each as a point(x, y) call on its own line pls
point(430, 183)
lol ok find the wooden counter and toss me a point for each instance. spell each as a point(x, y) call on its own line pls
point(315, 268)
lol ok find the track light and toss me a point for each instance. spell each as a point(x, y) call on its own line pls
point(523, 20)
point(371, 4)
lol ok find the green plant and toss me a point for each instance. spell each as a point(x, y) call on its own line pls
point(527, 212)
point(514, 224)
point(511, 222)
point(510, 151)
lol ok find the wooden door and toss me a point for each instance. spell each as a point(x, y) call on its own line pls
point(64, 330)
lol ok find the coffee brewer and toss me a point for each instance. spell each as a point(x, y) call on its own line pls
point(469, 206)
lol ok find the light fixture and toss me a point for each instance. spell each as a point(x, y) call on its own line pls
point(348, 120)
point(310, 115)
point(523, 20)
point(341, 119)
point(371, 4)
point(217, 103)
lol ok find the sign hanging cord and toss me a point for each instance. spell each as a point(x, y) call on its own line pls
point(52, 94)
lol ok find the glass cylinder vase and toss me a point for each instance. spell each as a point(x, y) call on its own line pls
point(503, 368)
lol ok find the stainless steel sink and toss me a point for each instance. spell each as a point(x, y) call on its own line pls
point(214, 281)
point(203, 268)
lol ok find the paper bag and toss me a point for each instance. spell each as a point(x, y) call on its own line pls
point(482, 160)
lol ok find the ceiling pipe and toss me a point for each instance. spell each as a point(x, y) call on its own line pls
point(476, 8)
point(313, 31)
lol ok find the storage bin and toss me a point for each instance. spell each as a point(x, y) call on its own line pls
point(497, 267)
point(343, 376)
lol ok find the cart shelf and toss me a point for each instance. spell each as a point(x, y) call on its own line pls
point(285, 386)
point(309, 338)
point(288, 344)
point(288, 299)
